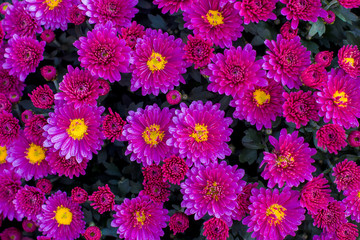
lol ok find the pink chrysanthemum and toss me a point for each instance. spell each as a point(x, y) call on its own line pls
point(103, 53)
point(347, 231)
point(158, 63)
point(347, 175)
point(103, 199)
point(315, 195)
point(132, 34)
point(11, 233)
point(79, 195)
point(315, 76)
point(48, 72)
point(339, 100)
point(158, 191)
point(42, 97)
point(152, 173)
point(354, 139)
point(26, 115)
point(79, 87)
point(274, 215)
point(287, 32)
point(10, 85)
point(75, 132)
point(285, 60)
point(216, 229)
point(5, 104)
point(331, 217)
point(23, 55)
point(19, 20)
point(75, 15)
point(113, 126)
point(261, 105)
point(147, 132)
point(215, 192)
point(255, 11)
point(243, 201)
point(173, 97)
point(10, 183)
point(200, 132)
point(34, 129)
point(48, 36)
point(104, 87)
point(140, 218)
point(3, 7)
point(29, 226)
point(331, 137)
point(349, 3)
point(235, 71)
point(198, 51)
point(61, 218)
point(50, 13)
point(352, 203)
point(307, 10)
point(9, 128)
point(174, 169)
point(92, 233)
point(4, 164)
point(2, 33)
point(44, 185)
point(179, 222)
point(324, 58)
point(300, 107)
point(28, 202)
point(209, 20)
point(172, 6)
point(349, 60)
point(330, 17)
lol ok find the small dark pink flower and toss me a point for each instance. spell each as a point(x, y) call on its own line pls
point(79, 195)
point(75, 15)
point(255, 11)
point(152, 173)
point(216, 229)
point(330, 217)
point(42, 97)
point(34, 128)
point(103, 199)
point(44, 185)
point(48, 72)
point(347, 231)
point(347, 175)
point(5, 104)
point(198, 51)
point(331, 137)
point(324, 58)
point(354, 139)
point(104, 87)
point(314, 76)
point(243, 201)
point(330, 17)
point(29, 226)
point(349, 3)
point(349, 60)
point(11, 233)
point(112, 126)
point(158, 191)
point(179, 222)
point(92, 233)
point(48, 36)
point(132, 34)
point(3, 7)
point(173, 97)
point(287, 32)
point(174, 169)
point(26, 115)
point(9, 128)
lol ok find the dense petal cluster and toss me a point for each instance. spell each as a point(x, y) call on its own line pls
point(103, 199)
point(132, 34)
point(347, 175)
point(10, 183)
point(243, 201)
point(174, 169)
point(179, 222)
point(172, 6)
point(10, 85)
point(255, 11)
point(315, 76)
point(113, 126)
point(354, 139)
point(28, 201)
point(152, 173)
point(324, 58)
point(5, 104)
point(48, 72)
point(158, 191)
point(330, 217)
point(173, 97)
point(44, 185)
point(92, 233)
point(349, 3)
point(9, 128)
point(34, 128)
point(42, 97)
point(216, 229)
point(75, 15)
point(198, 51)
point(349, 60)
point(48, 36)
point(287, 32)
point(347, 231)
point(331, 137)
point(79, 195)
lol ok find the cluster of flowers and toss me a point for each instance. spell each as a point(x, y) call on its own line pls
point(179, 146)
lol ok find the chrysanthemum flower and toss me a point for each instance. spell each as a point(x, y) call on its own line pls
point(3, 7)
point(61, 218)
point(172, 6)
point(216, 229)
point(200, 132)
point(48, 72)
point(103, 199)
point(4, 164)
point(330, 17)
point(92, 233)
point(315, 194)
point(243, 202)
point(324, 58)
point(349, 60)
point(104, 87)
point(23, 55)
point(140, 218)
point(235, 71)
point(75, 132)
point(354, 139)
point(9, 128)
point(215, 192)
point(11, 233)
point(43, 238)
point(152, 173)
point(347, 175)
point(285, 60)
point(79, 195)
point(147, 132)
point(347, 231)
point(28, 202)
point(44, 185)
point(29, 226)
point(51, 13)
point(209, 20)
point(118, 12)
point(173, 97)
point(331, 137)
point(198, 51)
point(113, 126)
point(34, 128)
point(315, 76)
point(179, 222)
point(339, 100)
point(5, 104)
point(158, 63)
point(10, 85)
point(331, 217)
point(10, 183)
point(19, 20)
point(174, 169)
point(103, 53)
point(132, 34)
point(42, 97)
point(307, 10)
point(349, 3)
point(26, 115)
point(300, 107)
point(274, 215)
point(255, 11)
point(289, 162)
point(75, 15)
point(261, 105)
point(287, 32)
point(48, 36)
point(158, 191)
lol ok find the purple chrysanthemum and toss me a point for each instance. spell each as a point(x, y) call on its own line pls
point(158, 63)
point(352, 203)
point(103, 53)
point(172, 6)
point(34, 128)
point(28, 202)
point(212, 189)
point(29, 226)
point(158, 191)
point(11, 233)
point(42, 97)
point(26, 115)
point(75, 132)
point(198, 51)
point(104, 87)
point(349, 60)
point(75, 15)
point(347, 175)
point(179, 222)
point(132, 33)
point(285, 60)
point(9, 128)
point(287, 32)
point(255, 11)
point(113, 126)
point(261, 105)
point(48, 72)
point(103, 200)
point(200, 132)
point(10, 183)
point(140, 218)
point(10, 85)
point(235, 71)
point(147, 132)
point(79, 195)
point(61, 218)
point(209, 20)
point(274, 215)
point(354, 139)
point(5, 104)
point(330, 217)
point(216, 229)
point(48, 36)
point(289, 162)
point(315, 76)
point(324, 58)
point(331, 137)
point(174, 169)
point(349, 3)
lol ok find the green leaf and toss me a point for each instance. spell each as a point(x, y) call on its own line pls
point(252, 139)
point(317, 27)
point(157, 22)
point(345, 14)
point(248, 156)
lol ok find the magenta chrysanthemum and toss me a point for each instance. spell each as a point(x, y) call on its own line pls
point(255, 11)
point(75, 15)
point(140, 218)
point(179, 222)
point(200, 132)
point(158, 191)
point(152, 173)
point(103, 53)
point(48, 72)
point(174, 169)
point(354, 139)
point(4, 164)
point(172, 6)
point(235, 71)
point(10, 85)
point(287, 32)
point(352, 203)
point(61, 218)
point(324, 58)
point(34, 128)
point(147, 132)
point(28, 202)
point(79, 195)
point(42, 97)
point(23, 55)
point(243, 201)
point(3, 7)
point(92, 233)
point(44, 185)
point(158, 63)
point(103, 200)
point(26, 115)
point(173, 97)
point(5, 104)
point(75, 132)
point(339, 100)
point(349, 60)
point(347, 231)
point(349, 3)
point(104, 87)
point(300, 107)
point(10, 183)
point(285, 60)
point(347, 175)
point(330, 17)
point(289, 162)
point(331, 137)
point(209, 20)
point(198, 51)
point(274, 215)
point(315, 76)
point(331, 217)
point(11, 233)
point(216, 229)
point(48, 36)
point(9, 128)
point(215, 192)
point(132, 34)
point(29, 226)
point(113, 126)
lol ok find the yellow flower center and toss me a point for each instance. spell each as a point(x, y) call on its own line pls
point(140, 217)
point(350, 61)
point(29, 225)
point(63, 215)
point(156, 62)
point(5, 7)
point(261, 97)
point(340, 98)
point(200, 133)
point(3, 154)
point(276, 213)
point(358, 194)
point(152, 135)
point(77, 129)
point(52, 3)
point(35, 154)
point(213, 190)
point(285, 160)
point(214, 17)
